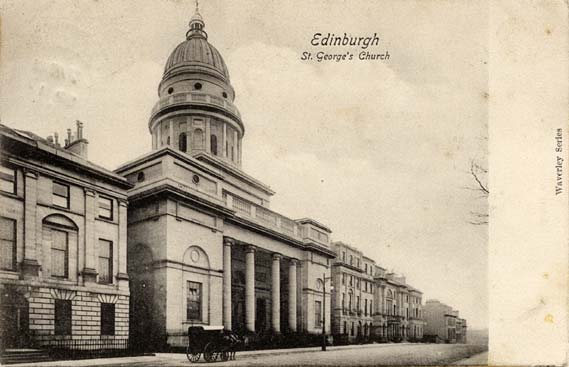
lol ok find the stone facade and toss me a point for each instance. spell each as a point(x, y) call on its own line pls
point(204, 247)
point(398, 314)
point(352, 298)
point(443, 323)
point(63, 232)
point(368, 303)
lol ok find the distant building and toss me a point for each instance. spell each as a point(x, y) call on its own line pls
point(461, 331)
point(63, 227)
point(352, 297)
point(442, 322)
point(398, 314)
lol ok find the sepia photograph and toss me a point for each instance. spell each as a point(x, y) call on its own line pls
point(259, 183)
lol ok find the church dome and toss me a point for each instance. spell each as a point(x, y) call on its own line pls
point(196, 53)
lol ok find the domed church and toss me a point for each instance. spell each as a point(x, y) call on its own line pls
point(204, 247)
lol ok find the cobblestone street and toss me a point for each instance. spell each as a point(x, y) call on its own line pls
point(366, 355)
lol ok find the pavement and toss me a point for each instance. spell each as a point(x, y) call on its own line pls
point(352, 355)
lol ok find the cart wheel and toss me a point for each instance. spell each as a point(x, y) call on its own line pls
point(224, 355)
point(209, 352)
point(192, 355)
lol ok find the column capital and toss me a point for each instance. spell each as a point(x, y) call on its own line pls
point(250, 249)
point(123, 203)
point(89, 192)
point(277, 256)
point(31, 173)
point(228, 241)
point(294, 262)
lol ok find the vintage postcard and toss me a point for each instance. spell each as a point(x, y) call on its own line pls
point(283, 183)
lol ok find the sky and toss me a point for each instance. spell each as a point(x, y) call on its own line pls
point(379, 151)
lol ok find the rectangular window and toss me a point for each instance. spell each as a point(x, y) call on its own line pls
point(343, 256)
point(317, 313)
point(107, 319)
point(351, 260)
point(365, 307)
point(62, 317)
point(343, 301)
point(358, 303)
point(194, 301)
point(343, 278)
point(60, 195)
point(370, 307)
point(105, 261)
point(105, 206)
point(7, 244)
point(59, 254)
point(365, 267)
point(7, 180)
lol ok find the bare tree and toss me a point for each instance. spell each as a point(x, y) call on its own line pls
point(479, 175)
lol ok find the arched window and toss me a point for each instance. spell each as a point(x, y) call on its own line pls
point(213, 143)
point(60, 233)
point(182, 142)
point(197, 139)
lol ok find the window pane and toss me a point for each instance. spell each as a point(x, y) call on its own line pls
point(317, 313)
point(105, 208)
point(60, 190)
point(59, 239)
point(59, 253)
point(62, 317)
point(105, 261)
point(7, 179)
point(107, 319)
point(7, 252)
point(60, 201)
point(7, 227)
point(7, 185)
point(194, 299)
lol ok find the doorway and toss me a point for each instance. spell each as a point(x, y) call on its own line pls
point(14, 320)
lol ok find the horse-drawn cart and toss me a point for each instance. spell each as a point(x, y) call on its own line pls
point(213, 342)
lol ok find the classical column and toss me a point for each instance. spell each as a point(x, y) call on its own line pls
point(89, 271)
point(250, 288)
point(276, 293)
point(122, 274)
point(292, 295)
point(227, 243)
point(30, 265)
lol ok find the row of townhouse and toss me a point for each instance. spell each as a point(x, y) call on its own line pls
point(63, 242)
point(369, 303)
point(443, 323)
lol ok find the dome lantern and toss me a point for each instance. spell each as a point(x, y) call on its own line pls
point(196, 25)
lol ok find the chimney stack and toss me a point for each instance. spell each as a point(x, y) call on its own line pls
point(50, 139)
point(79, 130)
point(56, 137)
point(77, 143)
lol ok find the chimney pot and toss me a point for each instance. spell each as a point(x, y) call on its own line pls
point(79, 130)
point(56, 137)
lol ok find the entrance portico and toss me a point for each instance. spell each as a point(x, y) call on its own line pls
point(259, 277)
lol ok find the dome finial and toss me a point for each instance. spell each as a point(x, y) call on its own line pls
point(196, 24)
